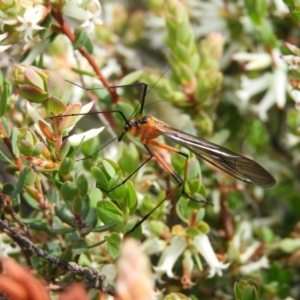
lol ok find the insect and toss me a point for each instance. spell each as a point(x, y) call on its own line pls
point(148, 129)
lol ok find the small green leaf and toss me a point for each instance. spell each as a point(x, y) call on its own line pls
point(8, 189)
point(82, 40)
point(117, 193)
point(82, 184)
point(25, 147)
point(92, 217)
point(66, 166)
point(69, 191)
point(99, 175)
point(108, 212)
point(56, 86)
point(37, 224)
point(65, 215)
point(54, 106)
point(246, 290)
point(103, 228)
point(130, 199)
point(4, 158)
point(79, 247)
point(86, 206)
point(63, 230)
point(193, 169)
point(137, 233)
point(3, 100)
point(113, 245)
point(21, 181)
point(77, 205)
point(38, 149)
point(192, 232)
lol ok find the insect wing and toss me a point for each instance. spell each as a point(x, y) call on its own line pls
point(230, 162)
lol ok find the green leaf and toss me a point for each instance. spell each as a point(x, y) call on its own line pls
point(56, 86)
point(82, 184)
point(113, 245)
point(193, 169)
point(69, 191)
point(108, 212)
point(8, 189)
point(64, 214)
point(24, 172)
point(6, 126)
point(117, 193)
point(103, 228)
point(92, 217)
point(192, 232)
point(82, 39)
point(86, 206)
point(137, 233)
point(3, 100)
point(37, 224)
point(14, 139)
point(54, 105)
point(131, 78)
point(4, 158)
point(79, 247)
point(130, 199)
point(246, 290)
point(66, 166)
point(63, 230)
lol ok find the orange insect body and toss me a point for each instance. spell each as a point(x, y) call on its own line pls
point(145, 129)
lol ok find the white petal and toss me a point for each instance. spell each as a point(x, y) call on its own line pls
point(4, 48)
point(203, 246)
point(87, 107)
point(265, 104)
point(76, 139)
point(255, 266)
point(153, 245)
point(170, 256)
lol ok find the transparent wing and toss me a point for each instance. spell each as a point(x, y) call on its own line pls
point(230, 162)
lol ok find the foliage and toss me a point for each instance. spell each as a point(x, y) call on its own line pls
point(225, 71)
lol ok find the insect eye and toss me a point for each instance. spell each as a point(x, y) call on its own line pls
point(127, 126)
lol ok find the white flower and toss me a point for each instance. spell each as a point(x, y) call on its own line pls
point(203, 245)
point(251, 87)
point(254, 61)
point(281, 8)
point(275, 83)
point(208, 15)
point(294, 49)
point(153, 245)
point(30, 20)
point(255, 266)
point(170, 256)
point(87, 17)
point(93, 17)
point(292, 61)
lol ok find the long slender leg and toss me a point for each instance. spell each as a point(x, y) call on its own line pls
point(168, 169)
point(180, 182)
point(126, 179)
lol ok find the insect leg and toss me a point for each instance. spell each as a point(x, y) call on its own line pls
point(168, 169)
point(153, 153)
point(126, 179)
